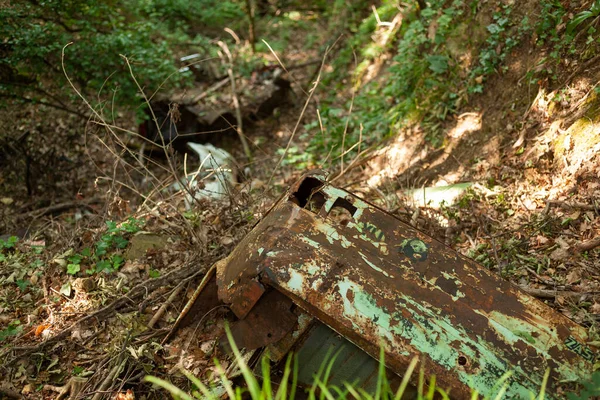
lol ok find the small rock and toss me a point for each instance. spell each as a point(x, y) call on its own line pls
point(84, 285)
point(141, 243)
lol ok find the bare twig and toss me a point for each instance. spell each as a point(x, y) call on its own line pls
point(570, 206)
point(184, 272)
point(211, 89)
point(113, 373)
point(588, 245)
point(236, 100)
point(166, 304)
point(61, 207)
point(551, 293)
point(306, 103)
point(9, 393)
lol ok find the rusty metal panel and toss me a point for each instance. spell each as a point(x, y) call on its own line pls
point(268, 322)
point(376, 280)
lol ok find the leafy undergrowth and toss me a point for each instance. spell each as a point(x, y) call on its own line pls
point(76, 314)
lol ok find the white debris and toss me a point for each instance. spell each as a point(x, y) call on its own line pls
point(213, 179)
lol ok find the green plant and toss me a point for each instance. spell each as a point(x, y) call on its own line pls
point(105, 256)
point(149, 33)
point(593, 12)
point(14, 328)
point(8, 243)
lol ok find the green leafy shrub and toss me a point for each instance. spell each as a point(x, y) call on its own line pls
point(149, 33)
point(106, 255)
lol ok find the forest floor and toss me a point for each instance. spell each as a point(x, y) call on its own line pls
point(95, 280)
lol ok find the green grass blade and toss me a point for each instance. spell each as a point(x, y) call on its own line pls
point(294, 379)
point(325, 392)
point(282, 390)
point(267, 391)
point(224, 380)
point(174, 390)
point(353, 391)
point(208, 394)
point(249, 377)
point(431, 391)
point(544, 383)
point(406, 378)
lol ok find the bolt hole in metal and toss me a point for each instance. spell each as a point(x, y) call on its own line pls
point(462, 361)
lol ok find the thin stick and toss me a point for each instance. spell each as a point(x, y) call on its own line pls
point(588, 245)
point(109, 379)
point(306, 103)
point(236, 100)
point(166, 304)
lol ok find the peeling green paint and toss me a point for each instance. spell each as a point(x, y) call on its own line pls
point(333, 235)
point(404, 298)
point(525, 335)
point(296, 281)
point(376, 268)
point(429, 334)
point(310, 242)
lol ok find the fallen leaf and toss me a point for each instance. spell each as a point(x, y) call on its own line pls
point(226, 240)
point(595, 308)
point(574, 276)
point(125, 396)
point(40, 329)
point(27, 389)
point(560, 254)
point(66, 289)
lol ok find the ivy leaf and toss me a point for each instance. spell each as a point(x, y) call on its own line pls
point(120, 242)
point(117, 261)
point(76, 259)
point(22, 284)
point(438, 64)
point(103, 265)
point(72, 269)
point(493, 29)
point(13, 329)
point(112, 226)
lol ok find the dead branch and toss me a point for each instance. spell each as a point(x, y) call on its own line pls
point(236, 100)
point(9, 393)
point(166, 304)
point(588, 245)
point(211, 89)
point(109, 379)
point(550, 293)
point(569, 206)
point(60, 207)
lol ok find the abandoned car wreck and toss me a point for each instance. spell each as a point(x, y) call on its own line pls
point(325, 269)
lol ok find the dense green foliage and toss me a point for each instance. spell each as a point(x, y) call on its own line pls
point(442, 57)
point(151, 34)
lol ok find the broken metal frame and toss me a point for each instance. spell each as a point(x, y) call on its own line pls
point(380, 282)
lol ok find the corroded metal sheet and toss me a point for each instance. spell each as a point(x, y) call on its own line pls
point(378, 281)
point(268, 322)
